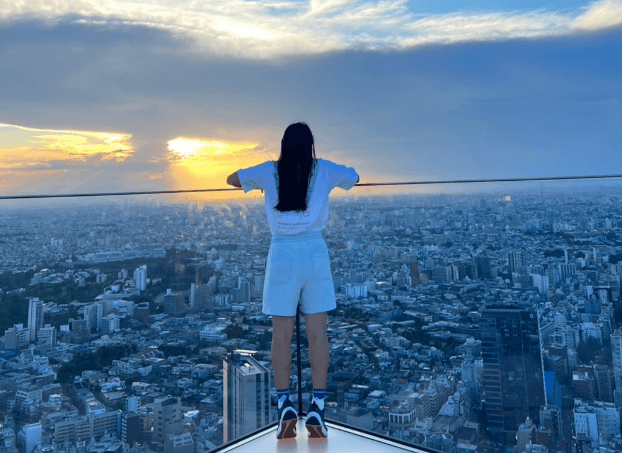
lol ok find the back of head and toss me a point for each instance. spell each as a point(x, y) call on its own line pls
point(294, 168)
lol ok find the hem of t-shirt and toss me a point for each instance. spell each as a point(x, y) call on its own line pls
point(348, 186)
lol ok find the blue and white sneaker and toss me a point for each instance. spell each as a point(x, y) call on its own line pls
point(315, 421)
point(288, 419)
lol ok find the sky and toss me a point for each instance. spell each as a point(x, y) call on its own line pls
point(110, 96)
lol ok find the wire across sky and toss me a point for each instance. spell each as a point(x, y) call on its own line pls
point(457, 181)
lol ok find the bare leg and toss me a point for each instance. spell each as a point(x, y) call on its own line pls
point(282, 331)
point(319, 351)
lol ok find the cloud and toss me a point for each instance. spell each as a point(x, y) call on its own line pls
point(270, 30)
point(602, 14)
point(30, 148)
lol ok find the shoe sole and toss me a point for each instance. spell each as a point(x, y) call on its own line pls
point(288, 429)
point(315, 427)
point(315, 431)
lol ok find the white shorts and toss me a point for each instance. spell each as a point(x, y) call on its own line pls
point(298, 269)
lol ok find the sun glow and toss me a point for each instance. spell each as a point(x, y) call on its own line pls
point(185, 147)
point(201, 163)
point(197, 149)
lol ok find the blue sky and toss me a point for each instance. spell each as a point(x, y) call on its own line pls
point(93, 95)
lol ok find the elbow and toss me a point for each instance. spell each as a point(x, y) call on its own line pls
point(234, 180)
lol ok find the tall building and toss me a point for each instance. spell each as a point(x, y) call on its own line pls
point(517, 262)
point(470, 378)
point(90, 315)
point(35, 317)
point(246, 395)
point(525, 435)
point(106, 422)
point(513, 378)
point(140, 277)
point(567, 270)
point(616, 352)
point(167, 418)
point(245, 290)
point(132, 404)
point(47, 335)
point(101, 312)
point(481, 265)
point(414, 273)
point(15, 337)
point(551, 418)
point(131, 428)
point(202, 296)
point(110, 324)
point(141, 312)
point(79, 331)
point(596, 420)
point(173, 303)
point(603, 383)
point(541, 282)
point(31, 435)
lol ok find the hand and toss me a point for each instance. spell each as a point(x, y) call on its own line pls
point(234, 181)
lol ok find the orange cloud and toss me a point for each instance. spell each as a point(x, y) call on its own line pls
point(24, 147)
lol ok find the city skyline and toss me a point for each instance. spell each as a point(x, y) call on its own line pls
point(460, 319)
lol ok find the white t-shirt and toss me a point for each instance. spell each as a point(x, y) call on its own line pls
point(326, 177)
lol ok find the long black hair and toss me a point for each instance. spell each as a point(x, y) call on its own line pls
point(294, 168)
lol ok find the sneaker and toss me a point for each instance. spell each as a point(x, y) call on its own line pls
point(315, 421)
point(288, 419)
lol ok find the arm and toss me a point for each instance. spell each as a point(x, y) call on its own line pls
point(234, 180)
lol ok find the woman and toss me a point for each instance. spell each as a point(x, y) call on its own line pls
point(296, 189)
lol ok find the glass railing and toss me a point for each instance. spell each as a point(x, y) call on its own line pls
point(470, 317)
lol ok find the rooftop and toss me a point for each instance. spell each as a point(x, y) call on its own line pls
point(342, 438)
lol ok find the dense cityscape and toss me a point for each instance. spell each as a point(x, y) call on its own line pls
point(465, 323)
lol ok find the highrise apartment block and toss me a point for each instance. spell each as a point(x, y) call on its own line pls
point(35, 317)
point(517, 262)
point(513, 381)
point(173, 303)
point(246, 395)
point(140, 277)
point(616, 352)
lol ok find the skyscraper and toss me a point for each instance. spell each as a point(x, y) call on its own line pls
point(603, 383)
point(616, 352)
point(414, 273)
point(513, 381)
point(173, 303)
point(202, 296)
point(140, 277)
point(481, 265)
point(246, 395)
point(35, 317)
point(518, 262)
point(192, 300)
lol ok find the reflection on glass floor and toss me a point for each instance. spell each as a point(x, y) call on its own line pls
point(341, 439)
